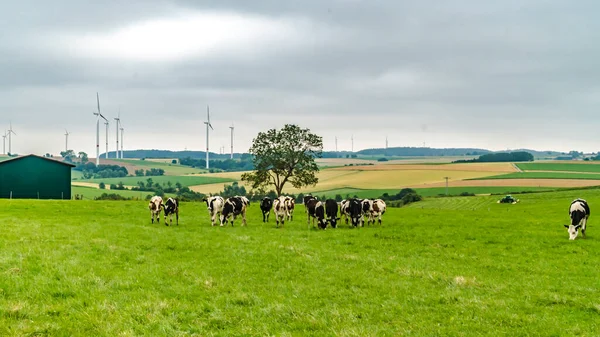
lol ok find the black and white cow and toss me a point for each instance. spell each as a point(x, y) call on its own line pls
point(344, 209)
point(214, 205)
point(244, 200)
point(378, 208)
point(310, 206)
point(233, 207)
point(289, 204)
point(354, 211)
point(318, 212)
point(331, 211)
point(171, 207)
point(265, 206)
point(579, 212)
point(280, 210)
point(155, 206)
point(306, 200)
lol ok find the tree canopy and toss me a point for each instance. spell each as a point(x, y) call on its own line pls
point(284, 156)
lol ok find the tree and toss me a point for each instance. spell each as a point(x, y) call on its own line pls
point(284, 156)
point(83, 157)
point(102, 185)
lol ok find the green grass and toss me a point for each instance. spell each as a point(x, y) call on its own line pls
point(91, 268)
point(429, 192)
point(184, 180)
point(543, 175)
point(91, 193)
point(559, 167)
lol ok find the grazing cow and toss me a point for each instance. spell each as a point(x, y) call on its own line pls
point(305, 201)
point(265, 207)
point(171, 207)
point(579, 212)
point(354, 211)
point(318, 212)
point(289, 204)
point(155, 205)
point(244, 199)
point(366, 205)
point(331, 210)
point(310, 206)
point(344, 209)
point(280, 210)
point(378, 208)
point(214, 205)
point(233, 207)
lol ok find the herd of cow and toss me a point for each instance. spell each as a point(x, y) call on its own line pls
point(324, 212)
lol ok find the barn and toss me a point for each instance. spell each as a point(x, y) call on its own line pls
point(35, 177)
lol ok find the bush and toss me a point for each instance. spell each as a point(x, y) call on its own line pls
point(111, 196)
point(382, 159)
point(467, 194)
point(102, 186)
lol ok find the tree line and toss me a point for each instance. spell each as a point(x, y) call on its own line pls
point(518, 156)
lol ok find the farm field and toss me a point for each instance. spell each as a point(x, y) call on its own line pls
point(91, 193)
point(136, 164)
point(473, 265)
point(544, 175)
point(432, 192)
point(183, 180)
point(589, 166)
point(381, 176)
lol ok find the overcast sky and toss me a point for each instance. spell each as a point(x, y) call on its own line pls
point(462, 73)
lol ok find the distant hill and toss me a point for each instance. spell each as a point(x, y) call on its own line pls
point(168, 154)
point(422, 152)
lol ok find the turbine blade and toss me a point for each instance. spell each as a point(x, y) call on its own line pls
point(210, 126)
point(98, 100)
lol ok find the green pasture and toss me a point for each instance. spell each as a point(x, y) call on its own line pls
point(567, 167)
point(430, 192)
point(91, 193)
point(100, 268)
point(543, 175)
point(183, 180)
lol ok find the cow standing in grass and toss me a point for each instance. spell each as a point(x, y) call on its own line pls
point(171, 207)
point(344, 209)
point(265, 207)
point(318, 212)
point(306, 200)
point(378, 208)
point(233, 207)
point(289, 205)
point(280, 210)
point(354, 211)
point(331, 211)
point(214, 205)
point(579, 212)
point(155, 206)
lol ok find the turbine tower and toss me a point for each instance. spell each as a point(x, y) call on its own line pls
point(10, 132)
point(386, 142)
point(207, 126)
point(231, 127)
point(122, 130)
point(106, 153)
point(66, 140)
point(336, 148)
point(352, 140)
point(98, 114)
point(118, 119)
point(4, 142)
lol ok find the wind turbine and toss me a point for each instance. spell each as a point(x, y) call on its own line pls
point(4, 142)
point(336, 148)
point(386, 142)
point(118, 119)
point(352, 139)
point(122, 130)
point(10, 132)
point(231, 127)
point(98, 114)
point(106, 153)
point(207, 126)
point(66, 140)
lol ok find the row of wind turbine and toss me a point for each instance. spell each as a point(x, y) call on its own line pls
point(209, 125)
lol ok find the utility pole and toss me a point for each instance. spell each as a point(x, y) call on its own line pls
point(446, 185)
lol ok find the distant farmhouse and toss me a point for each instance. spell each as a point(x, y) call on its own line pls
point(35, 177)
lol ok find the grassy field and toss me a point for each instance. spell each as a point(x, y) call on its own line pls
point(566, 167)
point(472, 267)
point(91, 193)
point(429, 192)
point(183, 180)
point(543, 175)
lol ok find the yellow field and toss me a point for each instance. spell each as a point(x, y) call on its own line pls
point(380, 176)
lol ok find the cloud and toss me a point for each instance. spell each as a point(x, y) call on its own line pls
point(462, 73)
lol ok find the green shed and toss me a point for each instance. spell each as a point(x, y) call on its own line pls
point(35, 177)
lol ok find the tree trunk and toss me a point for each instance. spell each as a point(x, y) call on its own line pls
point(278, 190)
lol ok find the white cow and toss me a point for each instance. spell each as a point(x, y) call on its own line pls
point(214, 205)
point(378, 208)
point(280, 210)
point(289, 204)
point(579, 212)
point(155, 206)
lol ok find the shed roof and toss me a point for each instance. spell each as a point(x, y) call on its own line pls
point(33, 155)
